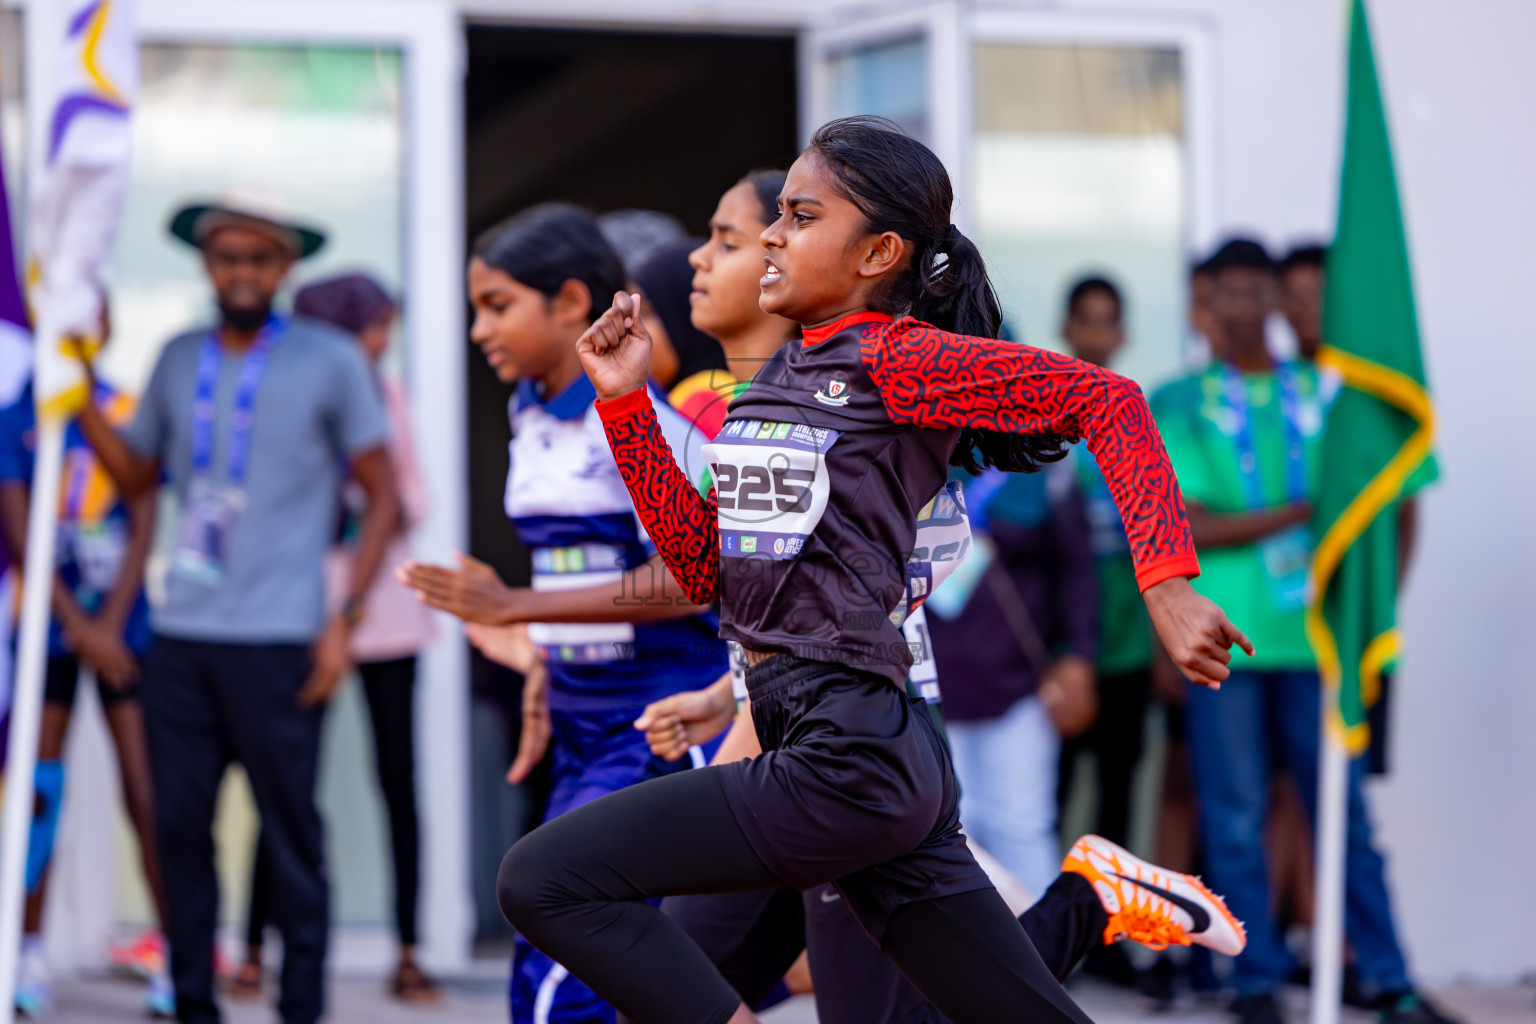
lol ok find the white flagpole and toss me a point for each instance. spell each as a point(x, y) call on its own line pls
point(27, 702)
point(1328, 912)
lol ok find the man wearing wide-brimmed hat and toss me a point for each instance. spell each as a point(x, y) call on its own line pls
point(251, 422)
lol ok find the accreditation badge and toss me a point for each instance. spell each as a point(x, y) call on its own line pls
point(207, 525)
point(97, 551)
point(1287, 561)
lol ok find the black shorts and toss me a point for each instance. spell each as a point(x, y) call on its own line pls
point(63, 676)
point(1175, 722)
point(855, 786)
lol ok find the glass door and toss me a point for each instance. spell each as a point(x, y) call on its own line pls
point(348, 111)
point(1087, 157)
point(902, 66)
point(1077, 145)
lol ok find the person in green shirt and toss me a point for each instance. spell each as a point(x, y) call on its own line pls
point(1244, 446)
point(1094, 331)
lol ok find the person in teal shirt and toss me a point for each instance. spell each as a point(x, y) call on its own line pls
point(1244, 445)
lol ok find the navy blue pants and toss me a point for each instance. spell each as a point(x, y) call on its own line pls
point(1231, 735)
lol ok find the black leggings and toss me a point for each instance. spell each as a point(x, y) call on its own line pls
point(390, 687)
point(576, 888)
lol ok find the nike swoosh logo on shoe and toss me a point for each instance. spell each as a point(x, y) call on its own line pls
point(1199, 919)
point(830, 897)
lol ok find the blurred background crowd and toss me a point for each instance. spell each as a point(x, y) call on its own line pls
point(1153, 186)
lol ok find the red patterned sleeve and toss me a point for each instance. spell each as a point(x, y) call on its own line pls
point(682, 525)
point(931, 378)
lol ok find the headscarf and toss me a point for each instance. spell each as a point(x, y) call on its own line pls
point(666, 279)
point(350, 302)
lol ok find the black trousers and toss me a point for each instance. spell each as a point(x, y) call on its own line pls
point(390, 687)
point(1116, 741)
point(206, 705)
point(854, 787)
point(754, 937)
point(577, 886)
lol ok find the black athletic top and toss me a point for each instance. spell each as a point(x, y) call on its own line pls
point(826, 459)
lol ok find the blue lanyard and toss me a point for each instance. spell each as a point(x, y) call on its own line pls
point(244, 412)
point(1247, 458)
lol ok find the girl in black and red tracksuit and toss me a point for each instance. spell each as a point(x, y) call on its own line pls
point(820, 472)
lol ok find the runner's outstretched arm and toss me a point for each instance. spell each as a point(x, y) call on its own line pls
point(933, 378)
point(475, 593)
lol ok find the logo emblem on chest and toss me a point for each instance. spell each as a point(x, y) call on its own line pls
point(835, 391)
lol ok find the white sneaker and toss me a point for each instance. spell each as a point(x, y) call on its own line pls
point(34, 981)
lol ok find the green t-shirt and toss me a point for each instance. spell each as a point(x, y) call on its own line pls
point(1175, 396)
point(1201, 430)
point(1125, 633)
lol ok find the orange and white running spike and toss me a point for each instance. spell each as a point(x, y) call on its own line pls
point(1151, 905)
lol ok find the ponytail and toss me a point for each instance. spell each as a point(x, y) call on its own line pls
point(955, 294)
point(899, 185)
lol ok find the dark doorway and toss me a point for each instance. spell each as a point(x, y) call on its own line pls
point(609, 120)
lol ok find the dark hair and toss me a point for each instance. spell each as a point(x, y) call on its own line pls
point(1241, 254)
point(899, 185)
point(1303, 256)
point(666, 279)
point(552, 243)
point(767, 183)
point(1087, 286)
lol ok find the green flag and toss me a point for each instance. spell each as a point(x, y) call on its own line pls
point(1381, 427)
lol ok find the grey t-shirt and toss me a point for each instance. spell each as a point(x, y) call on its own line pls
point(316, 406)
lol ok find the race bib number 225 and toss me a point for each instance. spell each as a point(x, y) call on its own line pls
point(771, 484)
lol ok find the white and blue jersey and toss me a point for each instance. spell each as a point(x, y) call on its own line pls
point(573, 513)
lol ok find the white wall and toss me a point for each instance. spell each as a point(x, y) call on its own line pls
point(1461, 802)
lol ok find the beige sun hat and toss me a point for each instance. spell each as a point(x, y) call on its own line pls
point(247, 207)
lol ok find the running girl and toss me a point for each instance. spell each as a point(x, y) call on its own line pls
point(820, 471)
point(753, 937)
point(610, 647)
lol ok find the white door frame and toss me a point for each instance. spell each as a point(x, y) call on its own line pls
point(429, 35)
point(952, 29)
point(940, 25)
